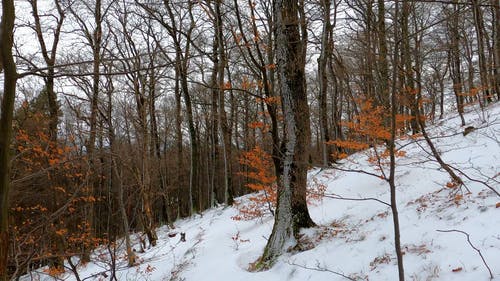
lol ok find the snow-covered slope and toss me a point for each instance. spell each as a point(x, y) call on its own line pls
point(354, 239)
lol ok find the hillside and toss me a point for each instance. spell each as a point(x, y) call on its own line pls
point(354, 238)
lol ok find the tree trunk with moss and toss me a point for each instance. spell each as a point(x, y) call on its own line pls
point(291, 213)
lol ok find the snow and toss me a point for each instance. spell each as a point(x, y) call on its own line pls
point(353, 238)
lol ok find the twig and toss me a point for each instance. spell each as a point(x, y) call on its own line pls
point(447, 167)
point(476, 180)
point(473, 247)
point(412, 141)
point(322, 269)
point(338, 197)
point(380, 176)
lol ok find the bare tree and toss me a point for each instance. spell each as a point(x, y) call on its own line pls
point(90, 17)
point(261, 61)
point(49, 55)
point(180, 31)
point(141, 85)
point(116, 177)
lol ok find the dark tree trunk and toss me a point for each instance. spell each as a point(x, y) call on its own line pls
point(495, 6)
point(323, 84)
point(392, 149)
point(8, 65)
point(178, 140)
point(214, 190)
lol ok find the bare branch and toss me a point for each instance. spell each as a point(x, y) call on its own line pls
point(472, 245)
point(335, 196)
point(322, 269)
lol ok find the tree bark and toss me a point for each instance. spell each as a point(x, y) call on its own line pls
point(178, 142)
point(291, 212)
point(214, 192)
point(323, 83)
point(8, 65)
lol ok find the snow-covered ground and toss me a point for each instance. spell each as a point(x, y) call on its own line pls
point(354, 239)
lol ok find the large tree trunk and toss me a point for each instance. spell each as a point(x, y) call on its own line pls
point(291, 212)
point(323, 83)
point(9, 93)
point(179, 147)
point(214, 190)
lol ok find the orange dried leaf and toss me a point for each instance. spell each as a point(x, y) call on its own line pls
point(457, 198)
point(497, 205)
point(451, 184)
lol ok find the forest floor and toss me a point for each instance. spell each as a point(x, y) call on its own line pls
point(354, 239)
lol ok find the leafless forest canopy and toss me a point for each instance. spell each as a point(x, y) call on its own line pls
point(130, 114)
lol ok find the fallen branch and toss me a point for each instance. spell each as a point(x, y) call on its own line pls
point(322, 269)
point(473, 247)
